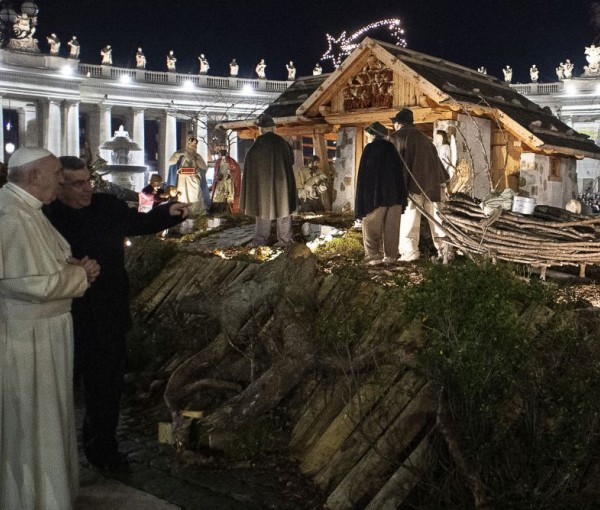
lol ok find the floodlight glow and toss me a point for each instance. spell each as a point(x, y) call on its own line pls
point(247, 90)
point(188, 85)
point(66, 70)
point(125, 78)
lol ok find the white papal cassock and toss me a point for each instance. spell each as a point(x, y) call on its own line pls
point(38, 450)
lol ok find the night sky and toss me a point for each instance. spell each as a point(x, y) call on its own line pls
point(490, 33)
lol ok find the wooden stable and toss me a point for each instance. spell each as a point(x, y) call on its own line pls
point(490, 125)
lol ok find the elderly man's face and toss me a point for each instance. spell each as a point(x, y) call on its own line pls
point(48, 179)
point(76, 191)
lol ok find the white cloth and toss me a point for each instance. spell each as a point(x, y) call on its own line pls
point(410, 226)
point(38, 449)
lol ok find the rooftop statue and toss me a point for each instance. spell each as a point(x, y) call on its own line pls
point(593, 57)
point(507, 74)
point(171, 61)
point(234, 68)
point(291, 70)
point(261, 69)
point(54, 43)
point(482, 70)
point(140, 59)
point(317, 70)
point(204, 65)
point(568, 69)
point(75, 48)
point(560, 71)
point(106, 54)
point(534, 73)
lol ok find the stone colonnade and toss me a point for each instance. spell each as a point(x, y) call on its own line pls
point(55, 124)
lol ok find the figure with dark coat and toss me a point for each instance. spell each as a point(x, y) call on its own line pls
point(97, 223)
point(425, 176)
point(380, 196)
point(268, 185)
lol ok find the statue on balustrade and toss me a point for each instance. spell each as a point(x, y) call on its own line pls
point(560, 71)
point(568, 69)
point(317, 70)
point(140, 59)
point(54, 43)
point(234, 68)
point(291, 70)
point(204, 65)
point(171, 61)
point(74, 47)
point(534, 73)
point(482, 70)
point(507, 74)
point(106, 54)
point(261, 69)
point(592, 55)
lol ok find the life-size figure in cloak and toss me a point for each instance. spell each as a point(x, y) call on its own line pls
point(425, 176)
point(380, 195)
point(38, 279)
point(97, 224)
point(268, 185)
point(187, 171)
point(227, 183)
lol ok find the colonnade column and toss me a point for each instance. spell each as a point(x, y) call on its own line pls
point(53, 127)
point(233, 139)
point(73, 146)
point(138, 135)
point(202, 135)
point(1, 132)
point(167, 141)
point(28, 126)
point(105, 123)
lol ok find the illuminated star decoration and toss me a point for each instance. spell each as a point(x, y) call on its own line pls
point(343, 46)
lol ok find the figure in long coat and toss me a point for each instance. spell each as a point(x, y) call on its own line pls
point(425, 176)
point(268, 185)
point(380, 195)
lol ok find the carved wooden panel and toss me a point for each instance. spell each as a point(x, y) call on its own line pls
point(372, 87)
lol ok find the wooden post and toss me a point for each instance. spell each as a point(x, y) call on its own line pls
point(320, 146)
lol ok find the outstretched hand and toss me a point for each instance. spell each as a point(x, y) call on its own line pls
point(179, 209)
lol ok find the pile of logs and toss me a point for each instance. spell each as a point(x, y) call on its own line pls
point(549, 237)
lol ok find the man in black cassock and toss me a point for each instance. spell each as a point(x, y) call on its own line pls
point(97, 223)
point(268, 184)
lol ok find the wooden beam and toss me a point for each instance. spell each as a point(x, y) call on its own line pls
point(421, 115)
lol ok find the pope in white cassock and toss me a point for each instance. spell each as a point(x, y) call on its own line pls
point(38, 279)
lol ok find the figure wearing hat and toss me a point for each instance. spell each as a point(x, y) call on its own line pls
point(425, 176)
point(380, 196)
point(268, 186)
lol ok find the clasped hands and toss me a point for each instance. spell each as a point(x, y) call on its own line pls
point(91, 267)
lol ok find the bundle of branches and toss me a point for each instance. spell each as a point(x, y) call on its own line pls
point(549, 237)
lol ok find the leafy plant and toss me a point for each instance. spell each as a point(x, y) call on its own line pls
point(521, 376)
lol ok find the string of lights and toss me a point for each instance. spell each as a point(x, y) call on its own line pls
point(341, 47)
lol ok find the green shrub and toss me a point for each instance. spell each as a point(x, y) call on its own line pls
point(522, 377)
